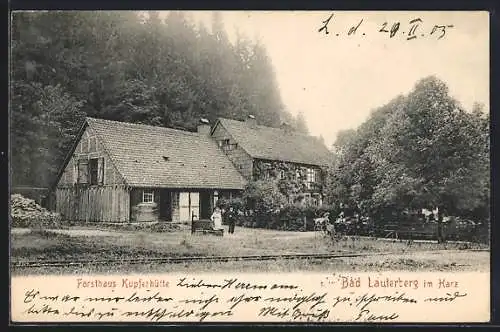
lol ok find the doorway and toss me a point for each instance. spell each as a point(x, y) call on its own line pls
point(189, 206)
point(165, 205)
point(205, 205)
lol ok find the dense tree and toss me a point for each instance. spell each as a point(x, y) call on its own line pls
point(128, 66)
point(422, 150)
point(44, 123)
point(301, 124)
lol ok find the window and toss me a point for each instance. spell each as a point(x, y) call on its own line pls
point(226, 145)
point(96, 171)
point(266, 170)
point(317, 199)
point(281, 174)
point(311, 177)
point(148, 196)
point(93, 171)
point(83, 171)
point(307, 199)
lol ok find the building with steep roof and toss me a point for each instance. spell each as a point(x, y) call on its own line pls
point(261, 152)
point(123, 172)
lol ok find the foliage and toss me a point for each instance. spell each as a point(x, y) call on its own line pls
point(44, 123)
point(291, 216)
point(274, 200)
point(290, 178)
point(418, 151)
point(301, 124)
point(26, 212)
point(263, 198)
point(119, 65)
point(236, 203)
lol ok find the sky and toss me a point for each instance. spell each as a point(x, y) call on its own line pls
point(336, 79)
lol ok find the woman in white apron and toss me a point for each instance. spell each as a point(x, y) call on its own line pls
point(217, 218)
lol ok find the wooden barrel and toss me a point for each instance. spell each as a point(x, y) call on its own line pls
point(146, 212)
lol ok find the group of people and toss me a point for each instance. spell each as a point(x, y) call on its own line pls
point(229, 216)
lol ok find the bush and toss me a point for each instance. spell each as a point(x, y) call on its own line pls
point(26, 212)
point(263, 205)
point(291, 217)
point(154, 227)
point(236, 203)
point(164, 227)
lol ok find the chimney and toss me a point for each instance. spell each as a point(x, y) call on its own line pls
point(204, 127)
point(251, 121)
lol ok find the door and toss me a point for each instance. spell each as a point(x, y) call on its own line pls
point(205, 205)
point(165, 205)
point(189, 205)
point(195, 205)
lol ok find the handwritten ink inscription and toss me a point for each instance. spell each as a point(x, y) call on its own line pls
point(355, 298)
point(407, 30)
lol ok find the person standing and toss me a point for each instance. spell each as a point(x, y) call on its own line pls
point(231, 219)
point(217, 218)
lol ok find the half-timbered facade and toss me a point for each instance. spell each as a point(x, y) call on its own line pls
point(261, 152)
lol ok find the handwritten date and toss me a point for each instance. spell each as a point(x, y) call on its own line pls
point(408, 30)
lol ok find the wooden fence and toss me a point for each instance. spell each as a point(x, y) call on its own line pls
point(94, 203)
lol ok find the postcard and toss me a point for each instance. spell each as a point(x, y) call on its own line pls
point(249, 166)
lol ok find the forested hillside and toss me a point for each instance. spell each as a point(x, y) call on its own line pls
point(166, 71)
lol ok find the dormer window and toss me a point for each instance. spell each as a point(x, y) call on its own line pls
point(223, 143)
point(226, 145)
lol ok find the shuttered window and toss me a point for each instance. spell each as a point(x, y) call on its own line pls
point(100, 171)
point(83, 171)
point(89, 171)
point(93, 170)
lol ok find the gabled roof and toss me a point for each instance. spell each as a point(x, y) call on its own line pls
point(269, 143)
point(149, 156)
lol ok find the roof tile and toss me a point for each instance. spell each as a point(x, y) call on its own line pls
point(149, 156)
point(276, 144)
